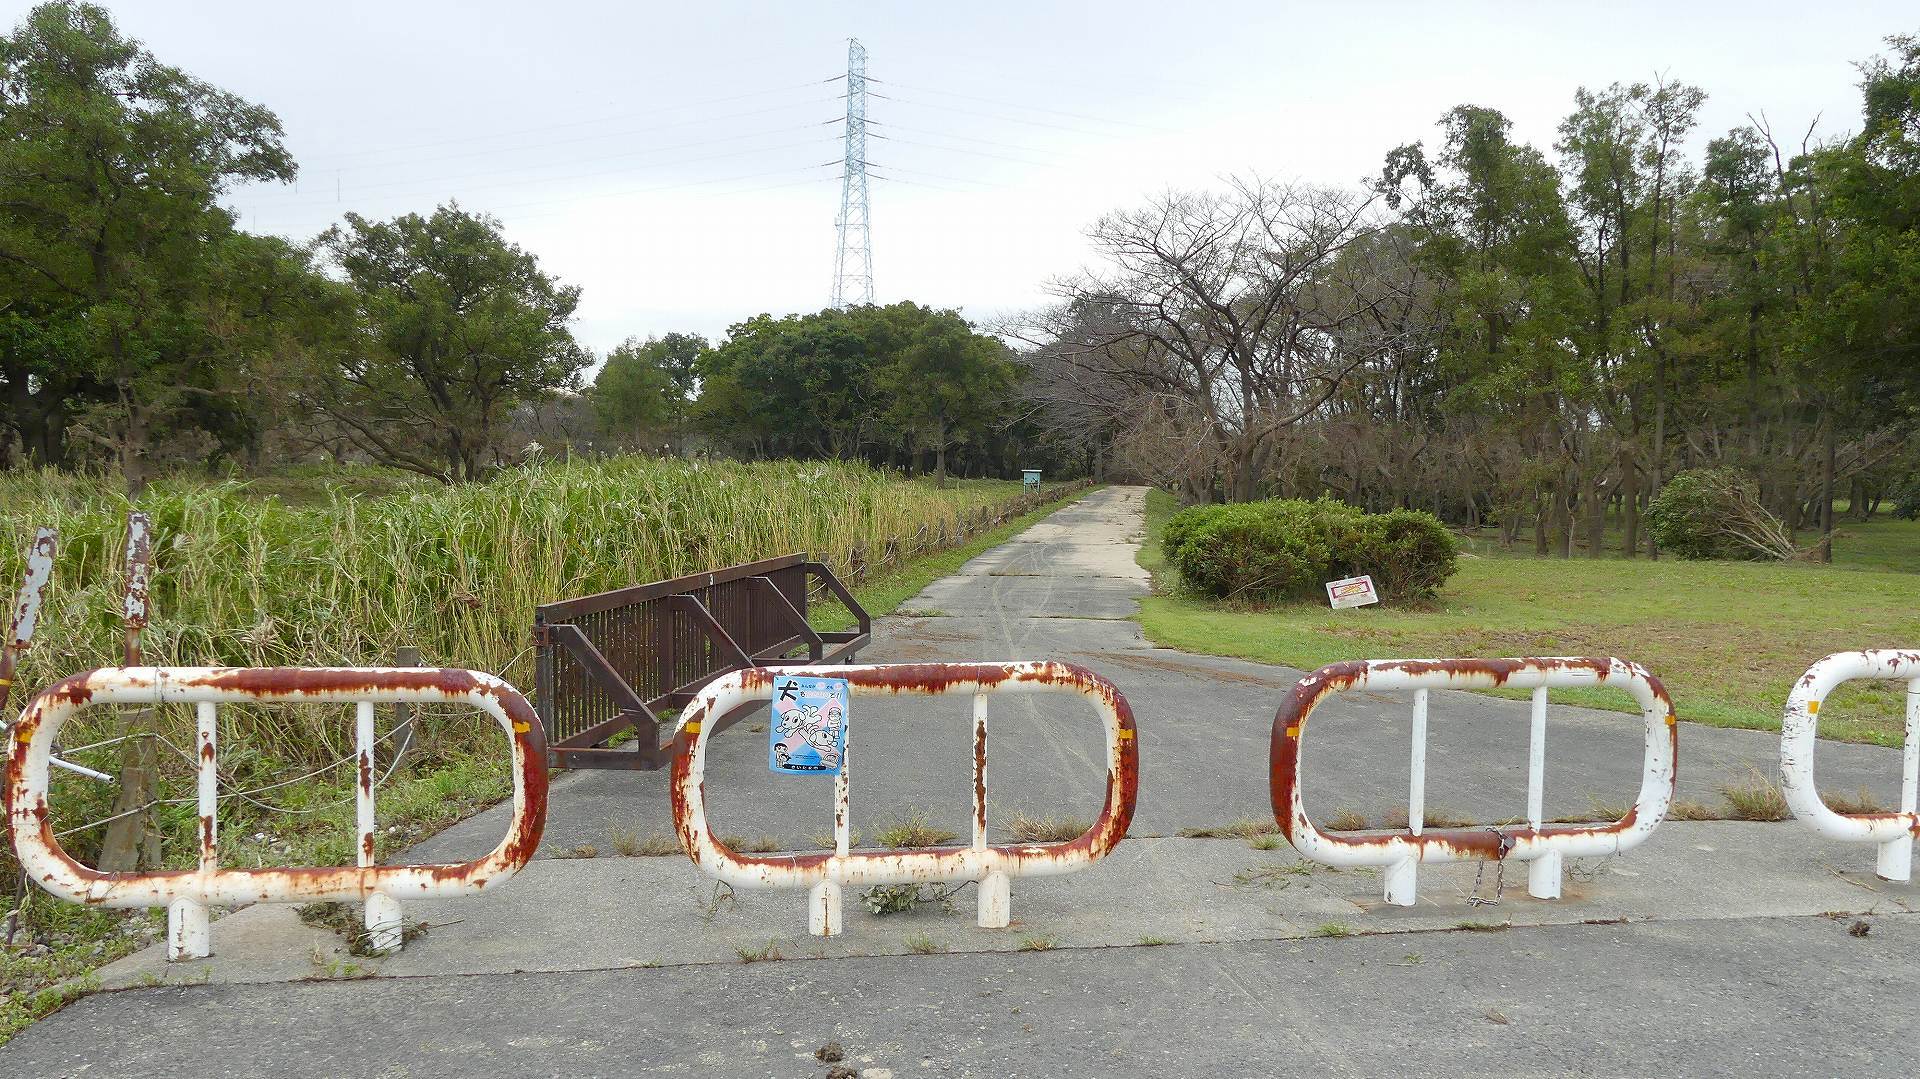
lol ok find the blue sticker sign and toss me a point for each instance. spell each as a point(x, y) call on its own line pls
point(808, 733)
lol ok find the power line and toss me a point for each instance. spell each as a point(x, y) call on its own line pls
point(999, 116)
point(436, 158)
point(1021, 105)
point(959, 150)
point(574, 199)
point(440, 180)
point(544, 128)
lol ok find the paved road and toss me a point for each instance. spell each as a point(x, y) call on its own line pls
point(1763, 997)
point(1066, 589)
point(1725, 968)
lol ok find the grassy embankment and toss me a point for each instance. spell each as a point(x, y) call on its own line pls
point(1727, 638)
point(341, 567)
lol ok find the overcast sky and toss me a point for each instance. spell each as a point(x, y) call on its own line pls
point(677, 161)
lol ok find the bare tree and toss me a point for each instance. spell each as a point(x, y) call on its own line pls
point(1217, 320)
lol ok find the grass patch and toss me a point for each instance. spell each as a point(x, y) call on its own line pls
point(349, 921)
point(921, 944)
point(1047, 829)
point(1727, 638)
point(1346, 820)
point(1154, 942)
point(911, 830)
point(1397, 820)
point(1333, 929)
point(627, 842)
point(1248, 829)
point(1688, 809)
point(766, 953)
point(1755, 798)
point(1860, 801)
point(1274, 876)
point(19, 1010)
point(1037, 944)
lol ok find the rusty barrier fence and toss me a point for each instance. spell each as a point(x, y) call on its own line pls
point(1543, 846)
point(827, 872)
point(1893, 832)
point(189, 893)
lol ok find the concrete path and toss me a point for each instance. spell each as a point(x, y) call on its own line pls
point(1173, 957)
point(1067, 589)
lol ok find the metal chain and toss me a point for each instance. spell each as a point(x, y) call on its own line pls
point(1474, 898)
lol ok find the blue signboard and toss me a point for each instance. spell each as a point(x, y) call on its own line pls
point(808, 732)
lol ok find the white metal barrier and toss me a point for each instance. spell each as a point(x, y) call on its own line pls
point(188, 893)
point(825, 872)
point(1894, 832)
point(1542, 845)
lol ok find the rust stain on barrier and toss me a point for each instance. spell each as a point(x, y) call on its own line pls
point(942, 863)
point(134, 607)
point(980, 779)
point(1489, 843)
point(26, 609)
point(41, 854)
point(1892, 832)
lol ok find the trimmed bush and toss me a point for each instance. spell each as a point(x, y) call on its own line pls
point(1288, 549)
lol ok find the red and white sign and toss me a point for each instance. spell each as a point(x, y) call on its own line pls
point(1352, 592)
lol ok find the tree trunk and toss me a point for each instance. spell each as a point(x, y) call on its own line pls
point(1596, 516)
point(1629, 504)
point(1826, 491)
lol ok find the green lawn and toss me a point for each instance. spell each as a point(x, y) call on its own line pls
point(1727, 638)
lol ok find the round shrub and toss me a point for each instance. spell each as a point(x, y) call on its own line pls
point(1707, 513)
point(1288, 549)
point(1682, 515)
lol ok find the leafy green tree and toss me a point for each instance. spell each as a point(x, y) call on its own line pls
point(455, 328)
point(111, 164)
point(946, 383)
point(646, 387)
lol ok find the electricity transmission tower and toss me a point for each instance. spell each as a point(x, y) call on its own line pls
point(853, 261)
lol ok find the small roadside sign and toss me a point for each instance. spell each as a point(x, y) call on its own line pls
point(1352, 592)
point(808, 732)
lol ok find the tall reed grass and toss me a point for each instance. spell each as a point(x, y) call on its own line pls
point(251, 579)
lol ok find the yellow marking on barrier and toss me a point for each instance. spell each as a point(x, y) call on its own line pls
point(1126, 736)
point(521, 726)
point(6, 681)
point(1813, 708)
point(1670, 720)
point(693, 727)
point(1293, 731)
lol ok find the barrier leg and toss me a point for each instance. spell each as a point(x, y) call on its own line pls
point(189, 936)
point(1543, 876)
point(1896, 859)
point(384, 931)
point(823, 909)
point(1401, 877)
point(996, 901)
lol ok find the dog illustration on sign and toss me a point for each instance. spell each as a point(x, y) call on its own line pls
point(809, 730)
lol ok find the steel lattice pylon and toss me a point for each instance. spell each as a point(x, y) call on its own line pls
point(853, 257)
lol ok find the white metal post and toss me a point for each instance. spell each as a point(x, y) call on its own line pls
point(189, 934)
point(1543, 873)
point(383, 921)
point(823, 902)
point(1895, 860)
point(996, 888)
point(1402, 876)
